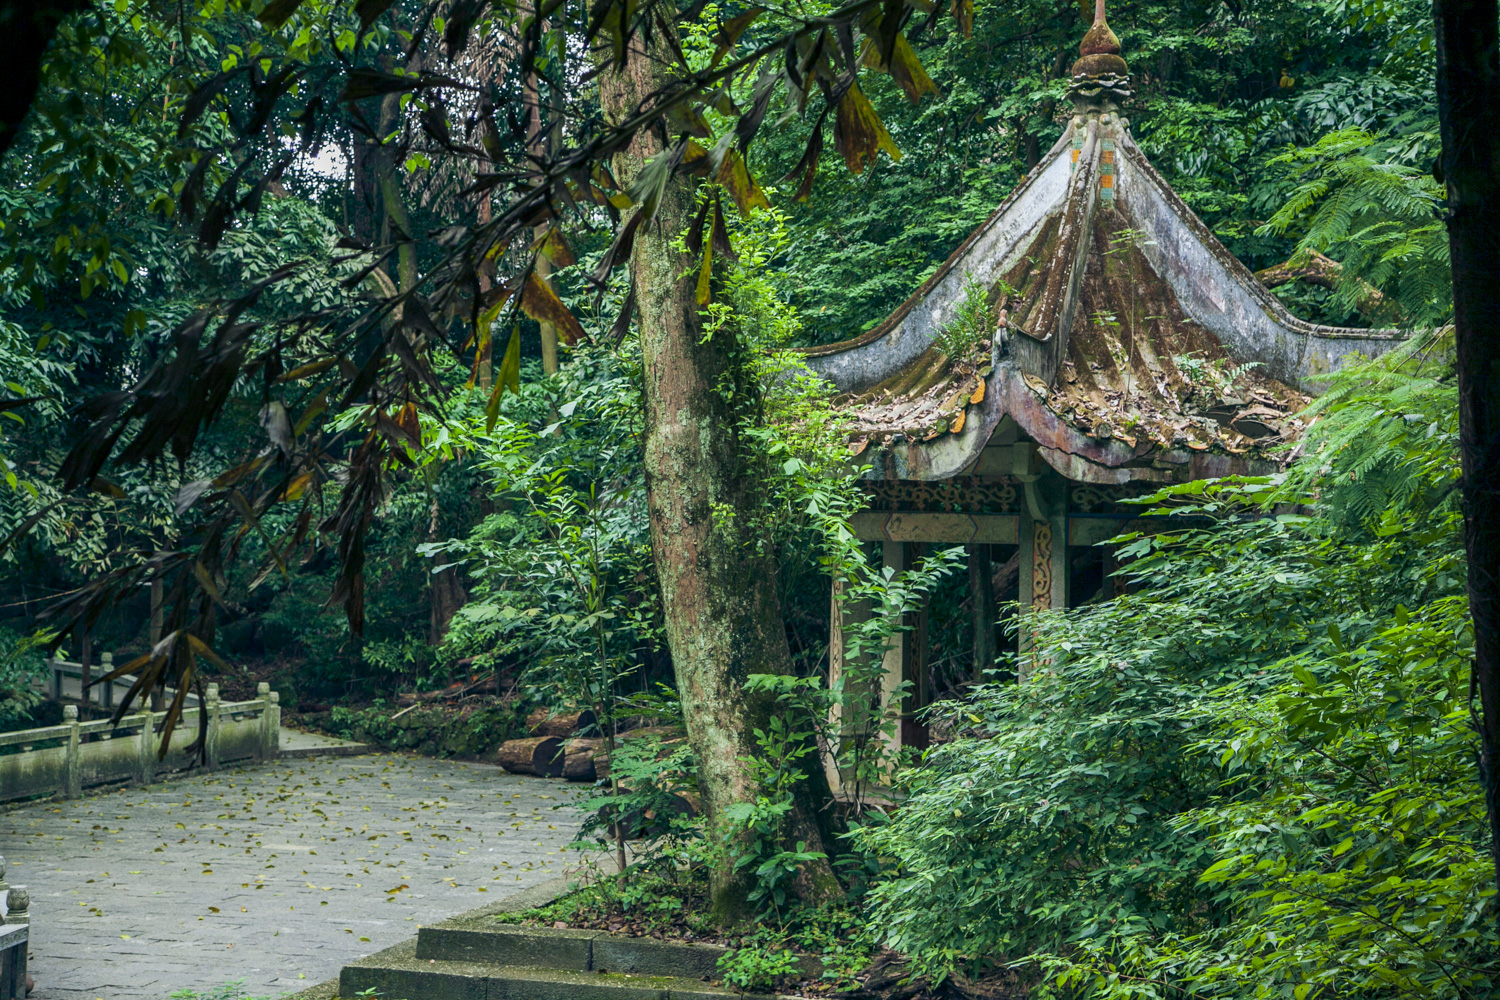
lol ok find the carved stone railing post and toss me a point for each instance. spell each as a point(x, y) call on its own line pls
point(145, 758)
point(267, 733)
point(211, 706)
point(106, 691)
point(274, 711)
point(17, 905)
point(73, 761)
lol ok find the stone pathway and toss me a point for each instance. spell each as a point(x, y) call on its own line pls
point(276, 874)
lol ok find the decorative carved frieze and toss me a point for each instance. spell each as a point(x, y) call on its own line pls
point(959, 495)
point(1041, 565)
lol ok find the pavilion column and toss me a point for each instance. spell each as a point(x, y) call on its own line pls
point(1044, 566)
point(905, 659)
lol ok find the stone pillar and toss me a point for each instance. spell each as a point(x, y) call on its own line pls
point(268, 735)
point(905, 660)
point(1044, 556)
point(13, 959)
point(145, 757)
point(273, 726)
point(1060, 572)
point(17, 905)
point(211, 747)
point(106, 690)
point(73, 761)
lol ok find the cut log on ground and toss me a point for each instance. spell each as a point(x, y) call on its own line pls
point(543, 723)
point(578, 759)
point(539, 755)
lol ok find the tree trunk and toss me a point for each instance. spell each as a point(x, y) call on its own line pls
point(447, 595)
point(1468, 92)
point(484, 365)
point(541, 144)
point(158, 697)
point(86, 675)
point(718, 584)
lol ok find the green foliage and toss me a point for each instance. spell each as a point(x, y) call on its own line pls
point(649, 797)
point(22, 664)
point(234, 990)
point(1216, 375)
point(560, 572)
point(432, 731)
point(1252, 778)
point(1361, 200)
point(1391, 449)
point(755, 970)
point(664, 893)
point(975, 322)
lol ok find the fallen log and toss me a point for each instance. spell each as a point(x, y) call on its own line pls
point(539, 755)
point(543, 723)
point(578, 759)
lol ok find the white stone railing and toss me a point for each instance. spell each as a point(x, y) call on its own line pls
point(15, 932)
point(64, 760)
point(65, 680)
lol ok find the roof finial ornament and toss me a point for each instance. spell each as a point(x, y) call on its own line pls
point(1101, 80)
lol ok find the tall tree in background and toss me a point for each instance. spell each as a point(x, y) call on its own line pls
point(1468, 86)
point(718, 583)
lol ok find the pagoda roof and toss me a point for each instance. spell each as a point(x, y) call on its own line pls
point(1115, 329)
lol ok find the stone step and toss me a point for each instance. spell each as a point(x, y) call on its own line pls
point(572, 950)
point(398, 974)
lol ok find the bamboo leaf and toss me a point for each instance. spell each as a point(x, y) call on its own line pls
point(736, 179)
point(508, 377)
point(858, 132)
point(541, 303)
point(278, 12)
point(369, 10)
point(963, 13)
point(705, 274)
point(730, 31)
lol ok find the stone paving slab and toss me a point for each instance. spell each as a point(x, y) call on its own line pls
point(277, 874)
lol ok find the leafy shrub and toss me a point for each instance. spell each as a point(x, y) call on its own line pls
point(975, 322)
point(435, 731)
point(21, 666)
point(755, 969)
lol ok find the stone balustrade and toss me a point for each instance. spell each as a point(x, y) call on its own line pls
point(15, 936)
point(67, 759)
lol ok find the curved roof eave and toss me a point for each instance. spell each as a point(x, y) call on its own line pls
point(1213, 289)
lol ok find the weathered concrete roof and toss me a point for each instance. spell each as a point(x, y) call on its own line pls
point(1121, 335)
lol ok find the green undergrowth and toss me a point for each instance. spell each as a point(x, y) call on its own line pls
point(667, 899)
point(435, 732)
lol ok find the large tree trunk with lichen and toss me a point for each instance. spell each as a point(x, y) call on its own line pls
point(1468, 91)
point(718, 586)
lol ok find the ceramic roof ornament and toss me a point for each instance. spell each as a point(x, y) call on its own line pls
point(1100, 80)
